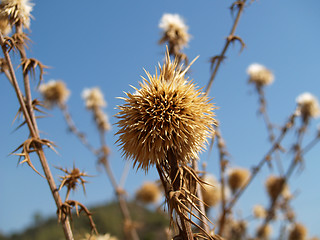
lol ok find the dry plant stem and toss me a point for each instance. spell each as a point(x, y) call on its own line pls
point(130, 233)
point(228, 41)
point(34, 133)
point(254, 172)
point(74, 129)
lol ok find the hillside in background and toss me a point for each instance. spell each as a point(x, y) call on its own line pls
point(151, 224)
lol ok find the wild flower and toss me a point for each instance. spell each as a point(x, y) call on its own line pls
point(237, 178)
point(165, 114)
point(175, 31)
point(211, 191)
point(308, 105)
point(275, 186)
point(17, 11)
point(259, 75)
point(54, 92)
point(298, 232)
point(148, 193)
point(259, 211)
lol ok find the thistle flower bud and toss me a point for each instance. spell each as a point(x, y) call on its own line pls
point(17, 10)
point(237, 178)
point(165, 114)
point(175, 31)
point(308, 105)
point(275, 187)
point(211, 192)
point(148, 193)
point(298, 232)
point(54, 92)
point(259, 75)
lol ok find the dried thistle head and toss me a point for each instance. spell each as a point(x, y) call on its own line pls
point(275, 186)
point(17, 11)
point(259, 211)
point(298, 232)
point(168, 113)
point(259, 75)
point(54, 92)
point(175, 31)
point(93, 98)
point(308, 106)
point(264, 231)
point(237, 178)
point(148, 193)
point(211, 191)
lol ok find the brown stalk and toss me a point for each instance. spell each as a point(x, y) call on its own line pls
point(276, 145)
point(231, 38)
point(34, 133)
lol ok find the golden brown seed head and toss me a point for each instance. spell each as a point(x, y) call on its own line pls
point(54, 92)
point(259, 75)
point(93, 98)
point(308, 105)
point(298, 232)
point(211, 192)
point(148, 193)
point(17, 10)
point(166, 113)
point(237, 178)
point(264, 232)
point(259, 211)
point(273, 186)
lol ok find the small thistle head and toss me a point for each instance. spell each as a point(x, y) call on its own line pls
point(259, 211)
point(259, 75)
point(167, 113)
point(211, 191)
point(148, 193)
point(237, 178)
point(308, 106)
point(264, 231)
point(93, 98)
point(17, 11)
point(54, 92)
point(175, 31)
point(275, 186)
point(298, 232)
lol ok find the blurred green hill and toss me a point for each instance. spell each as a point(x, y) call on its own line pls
point(108, 219)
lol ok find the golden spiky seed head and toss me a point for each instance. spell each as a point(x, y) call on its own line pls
point(148, 193)
point(165, 115)
point(298, 232)
point(93, 98)
point(54, 92)
point(17, 10)
point(264, 232)
point(175, 31)
point(308, 105)
point(5, 26)
point(211, 191)
point(273, 186)
point(259, 75)
point(259, 211)
point(237, 177)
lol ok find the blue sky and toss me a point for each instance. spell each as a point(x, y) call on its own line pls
point(108, 43)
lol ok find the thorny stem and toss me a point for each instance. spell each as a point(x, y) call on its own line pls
point(229, 39)
point(255, 171)
point(129, 230)
point(34, 133)
point(74, 130)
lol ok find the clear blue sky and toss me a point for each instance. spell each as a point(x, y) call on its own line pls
point(108, 43)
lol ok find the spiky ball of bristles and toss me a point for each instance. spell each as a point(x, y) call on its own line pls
point(259, 211)
point(237, 178)
point(273, 186)
point(298, 232)
point(264, 231)
point(308, 105)
point(148, 193)
point(17, 10)
point(54, 92)
point(211, 191)
point(168, 113)
point(259, 75)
